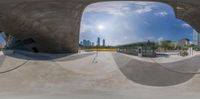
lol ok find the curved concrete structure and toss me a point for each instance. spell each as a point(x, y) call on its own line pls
point(54, 24)
point(22, 76)
point(155, 74)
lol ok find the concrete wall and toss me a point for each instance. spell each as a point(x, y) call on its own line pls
point(55, 24)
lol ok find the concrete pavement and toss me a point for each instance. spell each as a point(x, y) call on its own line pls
point(113, 76)
point(149, 73)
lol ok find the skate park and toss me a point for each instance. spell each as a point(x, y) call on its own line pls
point(54, 72)
point(27, 77)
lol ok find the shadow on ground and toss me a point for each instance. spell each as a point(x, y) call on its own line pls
point(46, 57)
point(147, 73)
point(191, 65)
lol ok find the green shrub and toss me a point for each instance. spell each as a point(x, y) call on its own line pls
point(184, 53)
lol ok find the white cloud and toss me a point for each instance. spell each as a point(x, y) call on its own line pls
point(114, 8)
point(86, 28)
point(143, 3)
point(120, 8)
point(185, 25)
point(161, 39)
point(163, 13)
point(144, 9)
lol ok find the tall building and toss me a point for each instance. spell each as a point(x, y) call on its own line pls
point(104, 42)
point(196, 38)
point(81, 43)
point(183, 42)
point(98, 41)
point(92, 43)
point(86, 43)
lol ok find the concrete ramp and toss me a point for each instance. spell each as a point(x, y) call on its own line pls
point(186, 66)
point(149, 73)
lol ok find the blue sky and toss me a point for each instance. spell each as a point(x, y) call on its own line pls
point(132, 21)
point(2, 40)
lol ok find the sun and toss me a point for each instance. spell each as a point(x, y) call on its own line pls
point(100, 27)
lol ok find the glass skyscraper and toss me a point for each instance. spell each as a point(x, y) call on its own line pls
point(196, 38)
point(98, 41)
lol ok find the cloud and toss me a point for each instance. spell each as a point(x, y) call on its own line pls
point(114, 8)
point(162, 13)
point(120, 8)
point(144, 9)
point(161, 39)
point(86, 28)
point(185, 25)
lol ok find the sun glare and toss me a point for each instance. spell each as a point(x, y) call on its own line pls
point(100, 27)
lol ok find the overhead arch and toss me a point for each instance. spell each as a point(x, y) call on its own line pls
point(55, 24)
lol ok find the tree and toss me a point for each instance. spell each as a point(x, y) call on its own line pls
point(166, 45)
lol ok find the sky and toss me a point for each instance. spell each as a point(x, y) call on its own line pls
point(2, 39)
point(124, 22)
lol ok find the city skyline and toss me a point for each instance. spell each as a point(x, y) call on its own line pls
point(88, 43)
point(130, 22)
